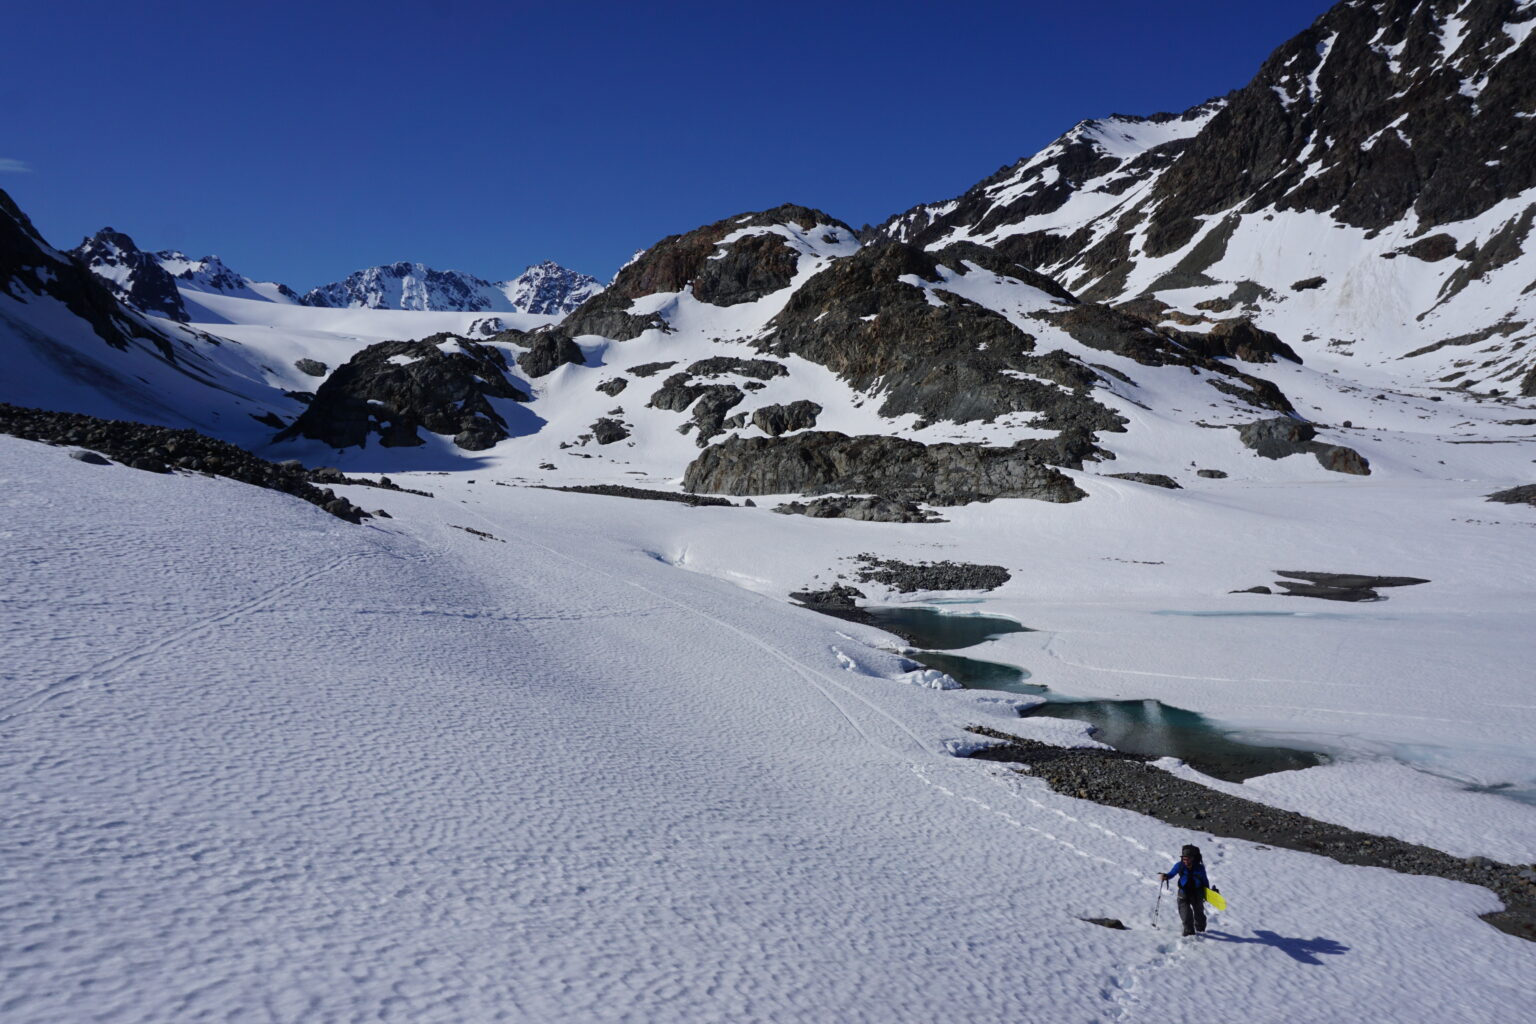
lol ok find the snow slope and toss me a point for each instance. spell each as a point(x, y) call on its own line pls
point(402, 771)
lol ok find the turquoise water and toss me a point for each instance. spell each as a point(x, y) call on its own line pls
point(1147, 727)
point(932, 629)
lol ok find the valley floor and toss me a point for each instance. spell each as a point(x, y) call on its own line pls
point(261, 764)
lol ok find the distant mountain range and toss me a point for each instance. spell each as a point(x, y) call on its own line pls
point(543, 288)
point(1356, 219)
point(154, 281)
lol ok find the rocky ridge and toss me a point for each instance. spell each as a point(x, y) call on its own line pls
point(391, 389)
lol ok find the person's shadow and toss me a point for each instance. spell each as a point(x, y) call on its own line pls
point(1303, 951)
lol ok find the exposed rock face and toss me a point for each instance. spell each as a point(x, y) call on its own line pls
point(549, 288)
point(1525, 494)
point(757, 369)
point(134, 276)
point(774, 420)
point(949, 362)
point(312, 367)
point(1334, 586)
point(546, 288)
point(822, 463)
point(1240, 339)
point(1120, 332)
point(29, 266)
point(754, 265)
point(1278, 437)
point(1282, 436)
point(548, 351)
point(757, 265)
point(160, 449)
point(608, 430)
point(1154, 479)
point(613, 386)
point(393, 388)
point(873, 509)
point(1339, 459)
point(908, 577)
point(838, 597)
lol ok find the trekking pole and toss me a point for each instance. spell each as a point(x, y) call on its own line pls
point(1159, 905)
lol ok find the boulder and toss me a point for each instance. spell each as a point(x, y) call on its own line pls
point(774, 420)
point(1278, 437)
point(548, 351)
point(608, 431)
point(1339, 459)
point(817, 462)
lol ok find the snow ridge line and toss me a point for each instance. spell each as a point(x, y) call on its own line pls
point(103, 671)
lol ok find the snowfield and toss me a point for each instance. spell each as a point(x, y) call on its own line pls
point(264, 765)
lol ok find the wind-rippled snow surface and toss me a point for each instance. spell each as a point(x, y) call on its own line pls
point(262, 765)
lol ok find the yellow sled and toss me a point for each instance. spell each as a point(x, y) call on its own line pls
point(1215, 899)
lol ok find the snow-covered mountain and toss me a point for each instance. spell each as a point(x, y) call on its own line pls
point(1109, 395)
point(1369, 193)
point(169, 283)
point(543, 288)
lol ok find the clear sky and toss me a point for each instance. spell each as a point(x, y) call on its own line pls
point(302, 141)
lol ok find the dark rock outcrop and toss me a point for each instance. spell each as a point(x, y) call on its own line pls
point(131, 274)
point(1117, 779)
point(29, 267)
point(757, 369)
point(1338, 459)
point(1133, 337)
point(1334, 586)
point(816, 462)
point(312, 367)
point(161, 449)
point(838, 597)
point(872, 509)
point(608, 430)
point(646, 494)
point(547, 352)
point(1278, 437)
point(394, 388)
point(1525, 494)
point(1282, 436)
point(907, 577)
point(1153, 479)
point(774, 420)
point(957, 361)
point(749, 268)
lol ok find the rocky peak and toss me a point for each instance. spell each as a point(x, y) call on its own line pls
point(443, 383)
point(132, 275)
point(548, 288)
point(1376, 110)
point(739, 259)
point(405, 286)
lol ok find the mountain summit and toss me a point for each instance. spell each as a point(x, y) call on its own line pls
point(1378, 164)
point(543, 288)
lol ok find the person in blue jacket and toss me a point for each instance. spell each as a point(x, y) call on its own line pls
point(1190, 871)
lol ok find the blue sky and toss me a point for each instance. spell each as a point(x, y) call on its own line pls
point(302, 141)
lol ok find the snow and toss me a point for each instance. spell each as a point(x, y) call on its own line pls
point(595, 766)
point(575, 773)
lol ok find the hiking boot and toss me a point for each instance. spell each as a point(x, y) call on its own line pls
point(1189, 931)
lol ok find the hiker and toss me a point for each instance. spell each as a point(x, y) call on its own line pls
point(1190, 871)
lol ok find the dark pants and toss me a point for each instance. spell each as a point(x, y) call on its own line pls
point(1192, 911)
